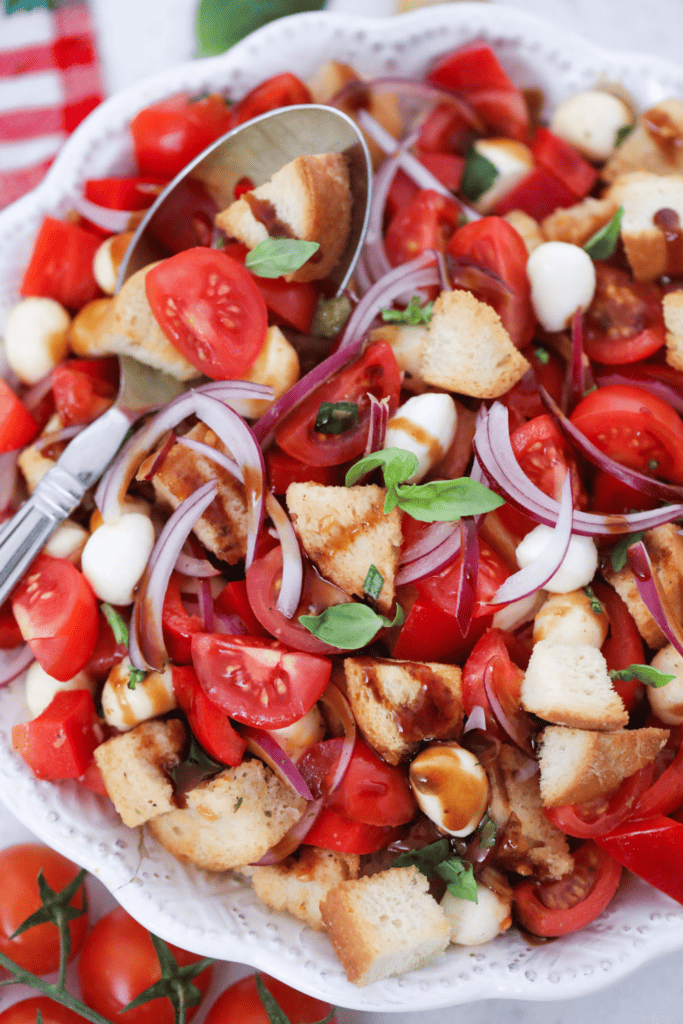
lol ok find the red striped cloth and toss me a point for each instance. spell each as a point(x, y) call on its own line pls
point(49, 81)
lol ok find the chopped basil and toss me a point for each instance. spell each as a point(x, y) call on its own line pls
point(374, 581)
point(436, 859)
point(336, 417)
point(425, 859)
point(349, 626)
point(330, 316)
point(478, 176)
point(118, 626)
point(414, 314)
point(596, 605)
point(397, 465)
point(274, 257)
point(487, 832)
point(603, 243)
point(542, 355)
point(623, 133)
point(196, 767)
point(643, 673)
point(618, 553)
point(135, 676)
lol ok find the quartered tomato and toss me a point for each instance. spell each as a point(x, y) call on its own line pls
point(665, 793)
point(168, 134)
point(282, 470)
point(61, 264)
point(599, 816)
point(17, 425)
point(442, 588)
point(210, 726)
point(634, 428)
point(501, 649)
point(60, 742)
point(623, 646)
point(84, 388)
point(256, 681)
point(178, 625)
point(625, 321)
point(426, 222)
point(242, 1003)
point(551, 909)
point(545, 456)
point(565, 162)
point(539, 193)
point(124, 193)
point(651, 848)
point(375, 372)
point(284, 90)
point(333, 831)
point(209, 307)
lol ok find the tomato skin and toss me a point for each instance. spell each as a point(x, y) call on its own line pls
point(633, 427)
point(202, 283)
point(545, 456)
point(84, 389)
point(124, 193)
point(107, 651)
point(442, 588)
point(10, 634)
point(565, 162)
point(61, 264)
point(118, 962)
point(210, 726)
point(616, 497)
point(283, 470)
point(291, 302)
point(284, 90)
point(430, 634)
point(178, 625)
point(625, 320)
point(17, 425)
point(26, 1012)
point(539, 193)
point(494, 644)
point(234, 600)
point(237, 672)
point(427, 222)
point(623, 646)
point(59, 743)
point(597, 818)
point(651, 848)
point(377, 372)
point(62, 630)
point(332, 831)
point(168, 134)
point(447, 167)
point(241, 1004)
point(36, 949)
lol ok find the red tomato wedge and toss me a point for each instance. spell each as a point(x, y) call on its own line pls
point(60, 267)
point(623, 646)
point(426, 222)
point(17, 425)
point(284, 90)
point(442, 588)
point(565, 162)
point(539, 193)
point(258, 682)
point(625, 321)
point(57, 614)
point(59, 743)
point(210, 726)
point(209, 307)
point(168, 134)
point(124, 193)
point(651, 848)
point(332, 831)
point(589, 820)
point(84, 388)
point(545, 456)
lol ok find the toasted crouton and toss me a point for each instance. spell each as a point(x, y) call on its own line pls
point(655, 144)
point(34, 461)
point(127, 326)
point(568, 684)
point(672, 304)
point(664, 545)
point(643, 195)
point(576, 224)
point(298, 884)
point(308, 198)
point(398, 704)
point(528, 229)
point(231, 819)
point(468, 350)
point(547, 845)
point(222, 528)
point(135, 767)
point(384, 924)
point(579, 765)
point(345, 530)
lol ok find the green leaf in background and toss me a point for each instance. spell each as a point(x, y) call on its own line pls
point(603, 243)
point(274, 257)
point(478, 176)
point(220, 23)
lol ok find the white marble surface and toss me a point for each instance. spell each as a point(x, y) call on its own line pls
point(139, 37)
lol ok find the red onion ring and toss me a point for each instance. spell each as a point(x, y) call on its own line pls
point(212, 453)
point(8, 477)
point(200, 567)
point(334, 699)
point(379, 417)
point(37, 392)
point(292, 562)
point(55, 436)
point(358, 90)
point(475, 720)
point(374, 252)
point(445, 549)
point(265, 746)
point(471, 277)
point(115, 221)
point(206, 605)
point(653, 596)
point(519, 726)
point(13, 662)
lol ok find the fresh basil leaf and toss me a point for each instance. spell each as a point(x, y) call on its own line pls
point(397, 465)
point(274, 257)
point(542, 355)
point(644, 674)
point(349, 626)
point(623, 133)
point(478, 176)
point(414, 314)
point(118, 626)
point(330, 316)
point(336, 417)
point(219, 26)
point(135, 676)
point(447, 500)
point(487, 832)
point(596, 605)
point(196, 767)
point(618, 554)
point(603, 243)
point(425, 860)
point(374, 581)
point(460, 877)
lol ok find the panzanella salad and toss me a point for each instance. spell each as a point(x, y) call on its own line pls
point(387, 615)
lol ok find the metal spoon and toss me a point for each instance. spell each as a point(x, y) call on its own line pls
point(255, 150)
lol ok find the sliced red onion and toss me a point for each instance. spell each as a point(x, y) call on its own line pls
point(230, 624)
point(295, 837)
point(292, 563)
point(374, 253)
point(573, 389)
point(519, 726)
point(55, 436)
point(212, 453)
point(357, 91)
point(472, 277)
point(379, 417)
point(8, 477)
point(475, 720)
point(527, 771)
point(361, 274)
point(445, 549)
point(647, 484)
point(337, 702)
point(161, 456)
point(536, 574)
point(638, 377)
point(37, 392)
point(201, 567)
point(504, 474)
point(149, 601)
point(115, 221)
point(653, 596)
point(13, 662)
point(265, 746)
point(467, 585)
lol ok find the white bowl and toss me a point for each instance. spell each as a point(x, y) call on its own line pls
point(213, 914)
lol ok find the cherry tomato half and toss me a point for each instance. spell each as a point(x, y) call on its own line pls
point(168, 134)
point(284, 90)
point(625, 321)
point(426, 222)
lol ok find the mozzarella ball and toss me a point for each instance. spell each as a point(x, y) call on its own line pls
point(41, 688)
point(512, 160)
point(124, 708)
point(570, 619)
point(450, 787)
point(277, 366)
point(295, 739)
point(577, 568)
point(424, 425)
point(667, 701)
point(562, 278)
point(67, 541)
point(591, 121)
point(472, 924)
point(115, 557)
point(129, 504)
point(108, 260)
point(36, 338)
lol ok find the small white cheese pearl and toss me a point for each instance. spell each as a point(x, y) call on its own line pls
point(450, 787)
point(570, 619)
point(36, 337)
point(577, 568)
point(424, 425)
point(277, 366)
point(667, 701)
point(562, 278)
point(473, 924)
point(41, 688)
point(512, 160)
point(295, 739)
point(124, 708)
point(67, 541)
point(115, 557)
point(590, 121)
point(108, 260)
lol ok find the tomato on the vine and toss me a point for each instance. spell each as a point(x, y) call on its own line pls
point(241, 1004)
point(26, 1012)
